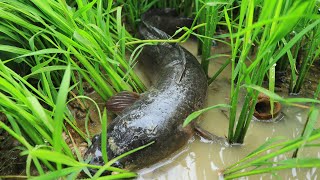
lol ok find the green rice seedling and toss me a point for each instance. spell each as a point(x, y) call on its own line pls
point(94, 37)
point(40, 130)
point(307, 53)
point(302, 55)
point(266, 56)
point(20, 103)
point(275, 28)
point(283, 62)
point(208, 13)
point(261, 160)
point(311, 121)
point(32, 124)
point(47, 35)
point(227, 62)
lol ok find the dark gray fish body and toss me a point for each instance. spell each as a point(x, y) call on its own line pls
point(158, 115)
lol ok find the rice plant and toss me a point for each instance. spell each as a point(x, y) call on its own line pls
point(210, 13)
point(93, 37)
point(43, 37)
point(259, 162)
point(40, 130)
point(273, 20)
point(306, 53)
point(310, 123)
point(262, 159)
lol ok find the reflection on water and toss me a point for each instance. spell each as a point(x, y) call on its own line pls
point(200, 159)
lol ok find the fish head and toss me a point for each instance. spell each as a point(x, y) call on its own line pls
point(160, 54)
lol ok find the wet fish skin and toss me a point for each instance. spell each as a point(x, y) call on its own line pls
point(179, 89)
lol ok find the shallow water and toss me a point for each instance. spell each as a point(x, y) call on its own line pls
point(201, 159)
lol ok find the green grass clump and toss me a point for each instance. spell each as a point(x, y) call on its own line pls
point(60, 46)
point(40, 130)
point(276, 20)
point(306, 53)
point(52, 33)
point(210, 13)
point(301, 57)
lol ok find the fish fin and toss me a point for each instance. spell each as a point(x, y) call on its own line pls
point(118, 102)
point(209, 136)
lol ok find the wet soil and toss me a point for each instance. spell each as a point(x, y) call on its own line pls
point(11, 162)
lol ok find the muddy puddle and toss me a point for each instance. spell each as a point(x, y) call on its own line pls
point(201, 159)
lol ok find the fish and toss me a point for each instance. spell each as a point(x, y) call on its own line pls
point(179, 88)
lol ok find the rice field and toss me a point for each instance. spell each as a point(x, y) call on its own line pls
point(54, 54)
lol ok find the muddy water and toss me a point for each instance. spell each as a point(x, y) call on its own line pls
point(201, 159)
